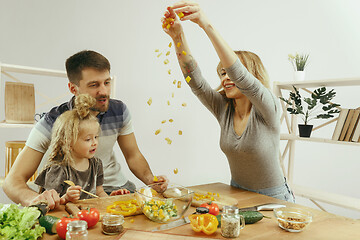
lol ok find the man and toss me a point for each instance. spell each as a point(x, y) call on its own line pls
point(88, 72)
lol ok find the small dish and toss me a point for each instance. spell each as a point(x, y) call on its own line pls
point(292, 219)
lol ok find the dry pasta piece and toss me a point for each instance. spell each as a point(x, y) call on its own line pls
point(168, 140)
point(183, 52)
point(157, 131)
point(168, 53)
point(184, 104)
point(168, 102)
point(159, 54)
point(180, 132)
point(170, 44)
point(179, 84)
point(157, 50)
point(169, 71)
point(149, 101)
point(176, 170)
point(188, 78)
point(172, 94)
point(174, 82)
point(181, 14)
point(171, 120)
point(166, 61)
point(178, 44)
point(163, 121)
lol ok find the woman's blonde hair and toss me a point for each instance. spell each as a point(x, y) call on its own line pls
point(66, 129)
point(253, 64)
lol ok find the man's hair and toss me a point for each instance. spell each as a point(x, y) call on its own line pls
point(83, 60)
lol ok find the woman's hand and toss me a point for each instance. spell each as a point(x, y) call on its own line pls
point(192, 12)
point(175, 28)
point(72, 194)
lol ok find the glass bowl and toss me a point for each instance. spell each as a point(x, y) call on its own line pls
point(164, 206)
point(292, 219)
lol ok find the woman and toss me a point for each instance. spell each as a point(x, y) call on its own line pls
point(247, 111)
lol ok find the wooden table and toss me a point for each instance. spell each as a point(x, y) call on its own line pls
point(324, 225)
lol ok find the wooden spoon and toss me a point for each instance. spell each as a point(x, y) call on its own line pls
point(73, 184)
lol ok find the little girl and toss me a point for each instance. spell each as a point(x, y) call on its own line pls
point(73, 144)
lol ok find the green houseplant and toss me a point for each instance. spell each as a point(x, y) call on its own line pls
point(318, 106)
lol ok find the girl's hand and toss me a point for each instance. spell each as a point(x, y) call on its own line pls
point(119, 192)
point(192, 12)
point(72, 194)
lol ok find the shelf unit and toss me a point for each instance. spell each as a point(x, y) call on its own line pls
point(291, 137)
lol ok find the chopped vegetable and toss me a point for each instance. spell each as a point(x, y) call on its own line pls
point(155, 179)
point(181, 14)
point(178, 44)
point(183, 52)
point(149, 101)
point(160, 210)
point(125, 208)
point(132, 220)
point(206, 223)
point(188, 78)
point(208, 196)
point(19, 223)
point(168, 140)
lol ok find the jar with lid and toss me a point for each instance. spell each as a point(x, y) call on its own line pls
point(77, 230)
point(231, 222)
point(112, 224)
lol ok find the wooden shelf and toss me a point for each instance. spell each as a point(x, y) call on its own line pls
point(318, 83)
point(32, 70)
point(16, 125)
point(331, 198)
point(313, 139)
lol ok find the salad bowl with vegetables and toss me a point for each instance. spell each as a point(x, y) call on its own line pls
point(159, 208)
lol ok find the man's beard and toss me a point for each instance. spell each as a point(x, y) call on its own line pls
point(102, 108)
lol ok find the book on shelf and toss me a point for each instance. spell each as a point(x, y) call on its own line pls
point(353, 122)
point(346, 124)
point(356, 134)
point(340, 123)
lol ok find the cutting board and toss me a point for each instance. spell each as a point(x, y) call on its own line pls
point(221, 200)
point(141, 235)
point(102, 202)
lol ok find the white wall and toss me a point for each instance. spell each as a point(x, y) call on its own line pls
point(44, 33)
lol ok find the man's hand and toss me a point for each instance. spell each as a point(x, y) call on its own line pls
point(51, 197)
point(121, 191)
point(163, 183)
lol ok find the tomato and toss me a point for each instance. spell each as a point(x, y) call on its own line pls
point(213, 208)
point(62, 224)
point(91, 216)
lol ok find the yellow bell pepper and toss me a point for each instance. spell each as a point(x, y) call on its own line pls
point(206, 223)
point(125, 208)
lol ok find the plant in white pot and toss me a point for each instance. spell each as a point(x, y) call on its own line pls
point(299, 62)
point(318, 106)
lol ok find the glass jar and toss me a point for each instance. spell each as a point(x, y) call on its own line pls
point(77, 230)
point(112, 224)
point(231, 222)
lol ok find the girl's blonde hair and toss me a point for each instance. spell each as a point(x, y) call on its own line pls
point(253, 64)
point(66, 129)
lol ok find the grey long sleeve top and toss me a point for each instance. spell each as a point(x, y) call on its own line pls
point(253, 156)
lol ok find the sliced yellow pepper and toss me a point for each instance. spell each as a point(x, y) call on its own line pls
point(206, 223)
point(125, 208)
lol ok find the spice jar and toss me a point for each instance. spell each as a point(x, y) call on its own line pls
point(77, 230)
point(112, 224)
point(231, 222)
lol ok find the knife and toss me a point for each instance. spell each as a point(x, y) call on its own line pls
point(174, 224)
point(262, 207)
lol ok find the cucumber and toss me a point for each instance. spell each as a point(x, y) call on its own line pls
point(249, 216)
point(49, 223)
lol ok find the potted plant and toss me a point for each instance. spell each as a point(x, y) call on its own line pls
point(309, 108)
point(299, 62)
